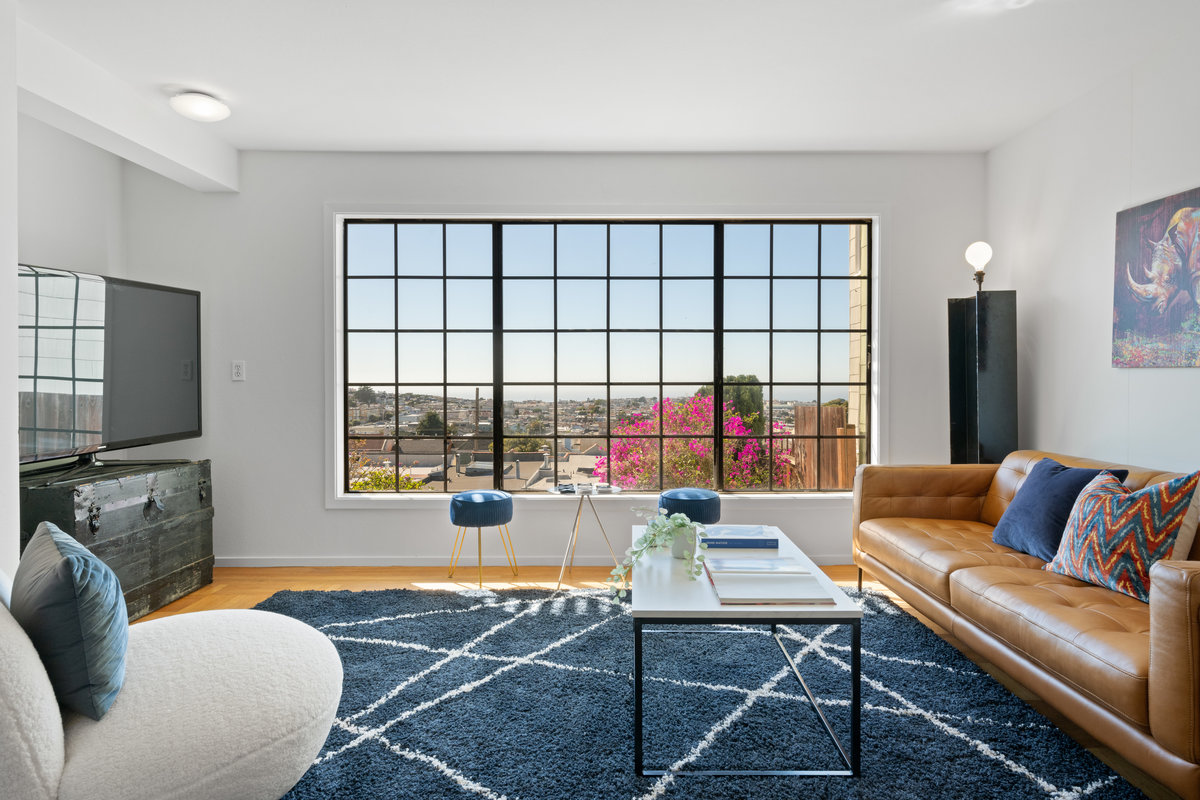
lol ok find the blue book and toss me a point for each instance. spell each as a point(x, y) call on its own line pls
point(731, 536)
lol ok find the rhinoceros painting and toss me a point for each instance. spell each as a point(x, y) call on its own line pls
point(1156, 286)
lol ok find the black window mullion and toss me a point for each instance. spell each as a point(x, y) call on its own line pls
point(497, 356)
point(396, 351)
point(608, 350)
point(820, 346)
point(554, 388)
point(719, 356)
point(662, 399)
point(769, 394)
point(445, 371)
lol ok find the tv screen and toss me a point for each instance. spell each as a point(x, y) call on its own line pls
point(104, 363)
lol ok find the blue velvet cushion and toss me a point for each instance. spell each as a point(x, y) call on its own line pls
point(481, 508)
point(70, 604)
point(700, 505)
point(1037, 516)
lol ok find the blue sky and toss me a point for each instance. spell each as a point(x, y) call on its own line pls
point(530, 292)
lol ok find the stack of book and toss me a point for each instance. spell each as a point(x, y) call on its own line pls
point(755, 581)
point(741, 536)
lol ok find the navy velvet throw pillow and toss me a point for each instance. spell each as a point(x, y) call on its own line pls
point(1037, 516)
point(70, 604)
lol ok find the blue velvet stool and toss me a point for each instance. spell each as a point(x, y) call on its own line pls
point(482, 508)
point(700, 505)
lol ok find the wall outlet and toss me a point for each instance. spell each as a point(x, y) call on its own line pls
point(238, 373)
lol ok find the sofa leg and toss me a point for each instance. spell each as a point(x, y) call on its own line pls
point(860, 579)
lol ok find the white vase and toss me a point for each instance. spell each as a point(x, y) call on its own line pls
point(684, 545)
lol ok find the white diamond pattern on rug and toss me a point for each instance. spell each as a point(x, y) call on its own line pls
point(528, 694)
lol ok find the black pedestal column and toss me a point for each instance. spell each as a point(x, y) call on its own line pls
point(983, 377)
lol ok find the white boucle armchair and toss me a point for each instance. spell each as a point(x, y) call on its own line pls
point(216, 704)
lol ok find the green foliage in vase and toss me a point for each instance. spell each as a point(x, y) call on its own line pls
point(661, 532)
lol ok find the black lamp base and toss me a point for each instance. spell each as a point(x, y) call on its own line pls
point(983, 377)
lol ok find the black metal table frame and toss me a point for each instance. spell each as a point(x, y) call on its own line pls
point(852, 760)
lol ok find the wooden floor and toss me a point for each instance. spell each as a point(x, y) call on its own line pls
point(245, 587)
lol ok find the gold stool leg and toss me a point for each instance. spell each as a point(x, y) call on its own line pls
point(509, 550)
point(459, 537)
point(479, 535)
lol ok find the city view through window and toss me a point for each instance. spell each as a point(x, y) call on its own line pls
point(648, 355)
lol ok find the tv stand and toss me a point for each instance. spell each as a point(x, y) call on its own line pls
point(150, 521)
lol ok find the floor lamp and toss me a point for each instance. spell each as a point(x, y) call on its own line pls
point(983, 370)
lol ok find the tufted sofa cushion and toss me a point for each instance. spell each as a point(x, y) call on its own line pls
point(928, 551)
point(1093, 638)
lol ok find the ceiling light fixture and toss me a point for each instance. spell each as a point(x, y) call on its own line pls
point(199, 106)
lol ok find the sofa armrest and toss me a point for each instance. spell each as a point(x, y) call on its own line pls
point(949, 491)
point(1174, 691)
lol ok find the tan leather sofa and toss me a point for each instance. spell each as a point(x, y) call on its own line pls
point(1126, 672)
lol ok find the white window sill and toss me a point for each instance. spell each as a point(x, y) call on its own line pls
point(420, 502)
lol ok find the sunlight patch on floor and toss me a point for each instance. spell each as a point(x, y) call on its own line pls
point(457, 586)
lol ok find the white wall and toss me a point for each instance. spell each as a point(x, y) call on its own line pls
point(70, 200)
point(1053, 195)
point(260, 260)
point(9, 498)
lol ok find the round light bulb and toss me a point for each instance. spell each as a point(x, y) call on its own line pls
point(199, 106)
point(978, 255)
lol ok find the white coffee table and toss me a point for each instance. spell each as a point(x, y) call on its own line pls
point(663, 594)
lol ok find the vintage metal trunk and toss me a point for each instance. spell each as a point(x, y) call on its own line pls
point(152, 524)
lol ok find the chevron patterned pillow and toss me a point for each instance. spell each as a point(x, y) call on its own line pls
point(1114, 534)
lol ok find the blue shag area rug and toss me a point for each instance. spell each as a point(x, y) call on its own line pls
point(529, 695)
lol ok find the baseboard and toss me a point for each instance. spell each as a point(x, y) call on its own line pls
point(399, 561)
point(554, 560)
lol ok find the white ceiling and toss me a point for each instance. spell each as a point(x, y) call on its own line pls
point(621, 75)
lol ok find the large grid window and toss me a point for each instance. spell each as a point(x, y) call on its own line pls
point(649, 355)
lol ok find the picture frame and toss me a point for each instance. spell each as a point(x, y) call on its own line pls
point(1156, 284)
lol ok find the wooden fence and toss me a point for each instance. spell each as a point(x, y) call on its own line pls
point(822, 462)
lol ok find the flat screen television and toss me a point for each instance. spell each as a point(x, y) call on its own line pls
point(104, 363)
